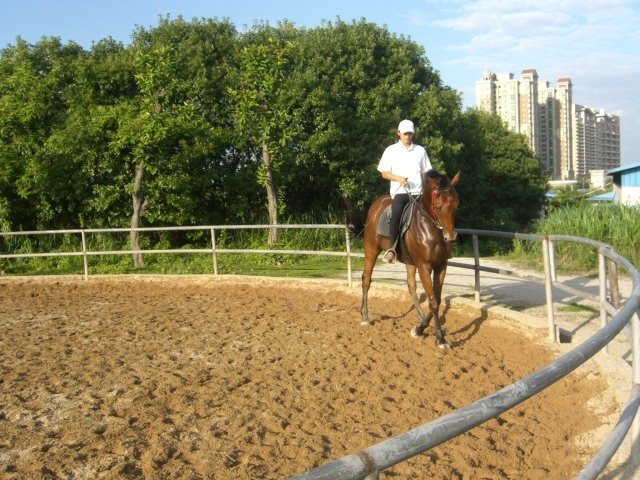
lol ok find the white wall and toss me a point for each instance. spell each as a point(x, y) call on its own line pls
point(630, 195)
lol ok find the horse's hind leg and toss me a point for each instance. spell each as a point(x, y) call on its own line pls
point(442, 343)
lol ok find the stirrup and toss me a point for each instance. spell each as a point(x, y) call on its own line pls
point(389, 256)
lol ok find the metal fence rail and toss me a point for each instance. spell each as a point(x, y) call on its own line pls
point(615, 315)
point(367, 463)
point(213, 250)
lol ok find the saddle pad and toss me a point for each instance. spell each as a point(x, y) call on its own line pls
point(384, 222)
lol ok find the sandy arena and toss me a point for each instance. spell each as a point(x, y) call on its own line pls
point(236, 378)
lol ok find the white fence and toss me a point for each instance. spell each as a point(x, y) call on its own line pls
point(616, 314)
point(213, 250)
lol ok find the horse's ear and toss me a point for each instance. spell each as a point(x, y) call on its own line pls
point(455, 179)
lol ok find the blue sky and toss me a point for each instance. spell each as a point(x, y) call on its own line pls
point(594, 42)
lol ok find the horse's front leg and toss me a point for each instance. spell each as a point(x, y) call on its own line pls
point(438, 282)
point(434, 292)
point(423, 318)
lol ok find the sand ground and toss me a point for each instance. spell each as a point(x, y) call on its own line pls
point(236, 377)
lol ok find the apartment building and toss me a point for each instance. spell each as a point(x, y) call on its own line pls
point(569, 139)
point(608, 140)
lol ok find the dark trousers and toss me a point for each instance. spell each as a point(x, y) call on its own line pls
point(400, 200)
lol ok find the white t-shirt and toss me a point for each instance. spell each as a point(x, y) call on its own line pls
point(409, 163)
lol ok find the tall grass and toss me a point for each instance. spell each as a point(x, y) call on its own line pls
point(615, 225)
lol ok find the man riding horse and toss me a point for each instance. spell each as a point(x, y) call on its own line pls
point(426, 242)
point(403, 163)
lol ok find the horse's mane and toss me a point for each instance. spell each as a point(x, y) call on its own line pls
point(443, 181)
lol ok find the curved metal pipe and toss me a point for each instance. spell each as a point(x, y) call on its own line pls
point(404, 446)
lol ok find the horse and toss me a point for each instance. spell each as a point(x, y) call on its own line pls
point(427, 246)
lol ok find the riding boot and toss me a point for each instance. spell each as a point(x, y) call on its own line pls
point(390, 254)
point(394, 233)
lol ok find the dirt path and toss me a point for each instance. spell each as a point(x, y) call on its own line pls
point(229, 378)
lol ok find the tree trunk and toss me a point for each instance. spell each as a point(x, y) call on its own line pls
point(272, 199)
point(138, 206)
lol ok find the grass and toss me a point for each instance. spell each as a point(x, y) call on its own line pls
point(308, 267)
point(616, 225)
point(287, 265)
point(269, 265)
point(577, 308)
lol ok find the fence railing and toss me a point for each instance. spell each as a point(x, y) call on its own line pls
point(616, 314)
point(368, 463)
point(85, 253)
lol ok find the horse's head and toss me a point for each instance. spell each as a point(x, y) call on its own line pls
point(441, 200)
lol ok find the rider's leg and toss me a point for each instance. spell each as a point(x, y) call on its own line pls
point(397, 206)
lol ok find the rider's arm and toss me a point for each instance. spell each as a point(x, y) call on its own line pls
point(393, 177)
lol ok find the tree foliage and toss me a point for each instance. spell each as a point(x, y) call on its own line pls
point(260, 115)
point(512, 186)
point(193, 120)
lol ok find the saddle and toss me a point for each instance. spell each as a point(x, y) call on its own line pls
point(405, 220)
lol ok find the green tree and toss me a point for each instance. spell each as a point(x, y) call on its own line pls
point(438, 115)
point(262, 118)
point(180, 119)
point(110, 72)
point(34, 86)
point(351, 84)
point(98, 101)
point(20, 115)
point(505, 184)
point(186, 123)
point(566, 197)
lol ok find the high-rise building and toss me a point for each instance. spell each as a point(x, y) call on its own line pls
point(529, 107)
point(548, 142)
point(564, 128)
point(584, 140)
point(607, 140)
point(569, 139)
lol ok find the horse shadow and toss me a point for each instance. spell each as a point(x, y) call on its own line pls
point(465, 333)
point(458, 337)
point(412, 308)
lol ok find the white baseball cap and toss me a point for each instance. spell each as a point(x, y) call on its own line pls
point(406, 126)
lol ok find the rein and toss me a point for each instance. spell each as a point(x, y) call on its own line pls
point(433, 216)
point(436, 220)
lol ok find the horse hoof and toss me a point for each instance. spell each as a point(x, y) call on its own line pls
point(365, 322)
point(444, 346)
point(416, 332)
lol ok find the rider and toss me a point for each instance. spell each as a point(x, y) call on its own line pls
point(403, 163)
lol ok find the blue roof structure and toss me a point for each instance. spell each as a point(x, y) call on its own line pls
point(622, 169)
point(603, 197)
point(627, 176)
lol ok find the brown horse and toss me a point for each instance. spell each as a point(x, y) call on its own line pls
point(427, 244)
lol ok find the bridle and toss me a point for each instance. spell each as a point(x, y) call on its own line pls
point(433, 216)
